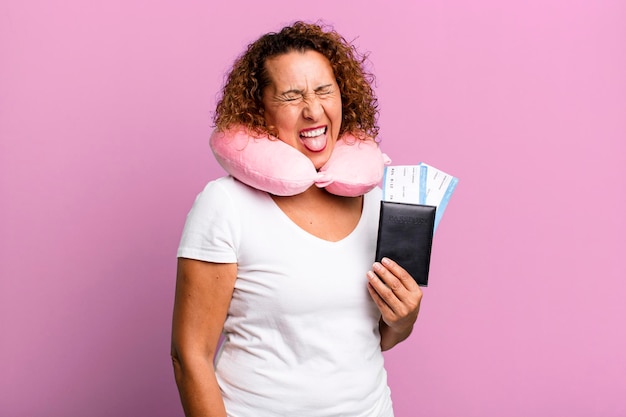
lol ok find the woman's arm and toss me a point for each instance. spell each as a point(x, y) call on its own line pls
point(398, 298)
point(203, 294)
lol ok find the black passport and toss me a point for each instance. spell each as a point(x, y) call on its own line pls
point(405, 235)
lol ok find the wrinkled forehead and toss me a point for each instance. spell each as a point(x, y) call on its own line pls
point(297, 69)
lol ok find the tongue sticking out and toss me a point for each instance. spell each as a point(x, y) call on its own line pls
point(314, 144)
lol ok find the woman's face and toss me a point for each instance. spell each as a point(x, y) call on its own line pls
point(303, 103)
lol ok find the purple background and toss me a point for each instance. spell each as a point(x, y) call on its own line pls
point(104, 123)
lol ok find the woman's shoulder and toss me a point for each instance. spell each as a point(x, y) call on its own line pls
point(229, 186)
point(229, 196)
point(221, 184)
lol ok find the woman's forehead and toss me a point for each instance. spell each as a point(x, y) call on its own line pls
point(309, 68)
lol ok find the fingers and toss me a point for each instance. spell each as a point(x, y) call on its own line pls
point(395, 277)
point(380, 302)
point(394, 291)
point(393, 298)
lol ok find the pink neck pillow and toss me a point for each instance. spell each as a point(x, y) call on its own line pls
point(268, 164)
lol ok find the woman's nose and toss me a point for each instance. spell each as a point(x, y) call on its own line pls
point(313, 108)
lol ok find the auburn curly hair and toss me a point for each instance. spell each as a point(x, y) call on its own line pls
point(241, 99)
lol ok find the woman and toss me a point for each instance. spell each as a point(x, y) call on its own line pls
point(286, 278)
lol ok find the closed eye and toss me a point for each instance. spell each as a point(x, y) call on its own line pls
point(324, 90)
point(291, 95)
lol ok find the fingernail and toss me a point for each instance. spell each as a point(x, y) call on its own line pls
point(385, 261)
point(377, 266)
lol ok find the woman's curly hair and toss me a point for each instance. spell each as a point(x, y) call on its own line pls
point(241, 101)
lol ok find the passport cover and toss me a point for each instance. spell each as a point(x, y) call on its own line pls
point(405, 235)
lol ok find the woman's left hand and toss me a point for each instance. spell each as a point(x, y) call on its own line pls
point(398, 298)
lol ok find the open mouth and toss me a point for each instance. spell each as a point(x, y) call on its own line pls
point(313, 132)
point(314, 139)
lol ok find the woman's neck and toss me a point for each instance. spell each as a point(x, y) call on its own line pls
point(322, 214)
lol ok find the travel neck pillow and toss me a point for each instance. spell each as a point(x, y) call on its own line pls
point(268, 164)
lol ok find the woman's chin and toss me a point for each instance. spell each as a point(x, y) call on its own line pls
point(319, 159)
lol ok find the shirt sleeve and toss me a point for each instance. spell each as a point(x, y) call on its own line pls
point(211, 228)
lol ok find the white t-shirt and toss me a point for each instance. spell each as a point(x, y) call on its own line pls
point(301, 337)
